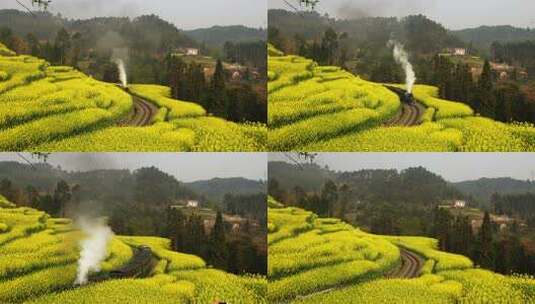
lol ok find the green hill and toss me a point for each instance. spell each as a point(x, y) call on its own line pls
point(216, 188)
point(483, 188)
point(323, 260)
point(216, 36)
point(47, 108)
point(39, 261)
point(323, 108)
point(482, 37)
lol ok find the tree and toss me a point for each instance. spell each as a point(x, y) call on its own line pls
point(485, 95)
point(329, 196)
point(485, 238)
point(218, 104)
point(33, 43)
point(62, 45)
point(329, 47)
point(62, 195)
point(218, 248)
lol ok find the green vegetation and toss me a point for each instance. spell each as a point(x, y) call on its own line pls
point(48, 108)
point(314, 108)
point(38, 265)
point(321, 260)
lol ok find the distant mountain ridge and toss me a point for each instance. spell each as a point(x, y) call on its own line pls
point(216, 188)
point(483, 188)
point(483, 36)
point(216, 36)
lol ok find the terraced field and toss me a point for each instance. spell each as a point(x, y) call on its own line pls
point(317, 108)
point(321, 260)
point(38, 261)
point(46, 108)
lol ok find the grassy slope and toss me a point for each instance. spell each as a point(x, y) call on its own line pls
point(314, 108)
point(320, 254)
point(46, 108)
point(38, 257)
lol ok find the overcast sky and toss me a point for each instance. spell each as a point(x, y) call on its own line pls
point(186, 14)
point(185, 166)
point(452, 166)
point(454, 14)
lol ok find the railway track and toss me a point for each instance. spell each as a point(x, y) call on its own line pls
point(410, 267)
point(409, 115)
point(141, 115)
point(411, 110)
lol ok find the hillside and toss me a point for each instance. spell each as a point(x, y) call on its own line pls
point(40, 253)
point(322, 260)
point(216, 188)
point(308, 176)
point(49, 108)
point(482, 189)
point(216, 36)
point(324, 108)
point(482, 37)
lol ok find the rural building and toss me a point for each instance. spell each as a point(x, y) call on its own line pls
point(459, 204)
point(188, 51)
point(457, 51)
point(192, 204)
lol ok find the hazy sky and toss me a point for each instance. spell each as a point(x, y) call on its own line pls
point(186, 14)
point(454, 14)
point(185, 166)
point(452, 166)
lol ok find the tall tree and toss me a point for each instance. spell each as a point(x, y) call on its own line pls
point(218, 247)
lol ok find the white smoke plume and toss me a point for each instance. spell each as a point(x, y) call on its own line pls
point(94, 247)
point(122, 72)
point(402, 58)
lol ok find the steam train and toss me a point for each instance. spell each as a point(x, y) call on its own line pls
point(404, 96)
point(139, 266)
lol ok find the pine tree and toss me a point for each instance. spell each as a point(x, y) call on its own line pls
point(485, 92)
point(485, 238)
point(218, 247)
point(218, 90)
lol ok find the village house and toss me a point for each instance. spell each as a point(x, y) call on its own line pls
point(459, 204)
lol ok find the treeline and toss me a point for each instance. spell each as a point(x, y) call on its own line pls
point(490, 247)
point(137, 203)
point(246, 205)
point(247, 53)
point(518, 205)
point(515, 53)
point(503, 101)
point(359, 198)
point(221, 248)
point(240, 102)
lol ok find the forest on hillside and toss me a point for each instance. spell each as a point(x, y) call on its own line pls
point(418, 202)
point(141, 202)
point(361, 47)
point(150, 48)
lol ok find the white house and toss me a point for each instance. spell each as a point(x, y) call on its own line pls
point(459, 204)
point(459, 51)
point(191, 51)
point(192, 203)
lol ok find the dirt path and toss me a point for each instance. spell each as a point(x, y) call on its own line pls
point(410, 267)
point(141, 115)
point(409, 115)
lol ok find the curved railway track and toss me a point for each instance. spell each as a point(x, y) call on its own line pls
point(141, 115)
point(410, 267)
point(409, 115)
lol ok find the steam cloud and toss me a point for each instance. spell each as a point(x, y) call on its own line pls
point(122, 72)
point(94, 247)
point(402, 58)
